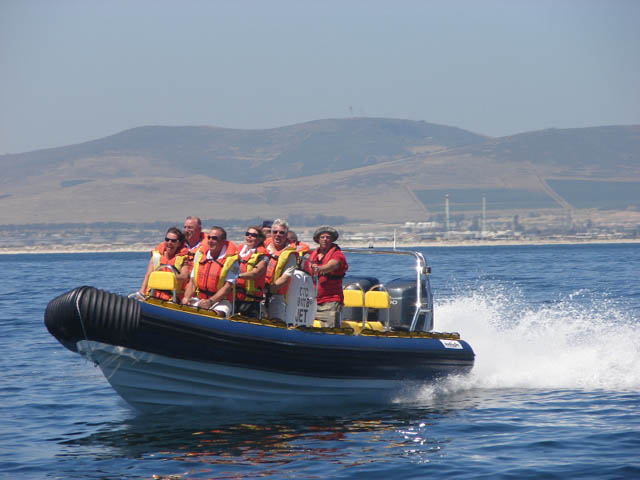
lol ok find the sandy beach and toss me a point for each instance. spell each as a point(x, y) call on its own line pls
point(141, 247)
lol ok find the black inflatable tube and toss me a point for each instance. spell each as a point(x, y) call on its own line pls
point(87, 312)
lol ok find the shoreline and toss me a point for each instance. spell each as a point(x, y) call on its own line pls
point(137, 248)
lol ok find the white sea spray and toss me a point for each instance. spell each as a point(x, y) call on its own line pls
point(564, 344)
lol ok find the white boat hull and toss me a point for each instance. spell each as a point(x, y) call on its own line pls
point(148, 381)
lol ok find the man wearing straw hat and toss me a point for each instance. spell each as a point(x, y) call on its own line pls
point(329, 266)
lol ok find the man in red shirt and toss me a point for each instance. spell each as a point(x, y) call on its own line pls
point(329, 265)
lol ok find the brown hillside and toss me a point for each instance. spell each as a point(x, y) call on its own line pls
point(537, 170)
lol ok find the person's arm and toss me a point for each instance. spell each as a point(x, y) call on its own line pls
point(145, 280)
point(188, 291)
point(257, 271)
point(220, 294)
point(330, 266)
point(184, 273)
point(286, 273)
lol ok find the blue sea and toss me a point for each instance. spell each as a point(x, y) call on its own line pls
point(555, 392)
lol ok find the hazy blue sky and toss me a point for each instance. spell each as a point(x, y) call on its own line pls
point(72, 71)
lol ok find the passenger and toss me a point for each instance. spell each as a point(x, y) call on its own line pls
point(193, 236)
point(329, 265)
point(193, 240)
point(168, 255)
point(253, 259)
point(266, 229)
point(282, 263)
point(215, 269)
point(301, 247)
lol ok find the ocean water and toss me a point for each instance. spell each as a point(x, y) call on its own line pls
point(555, 392)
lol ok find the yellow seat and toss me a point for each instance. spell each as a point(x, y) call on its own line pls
point(376, 299)
point(353, 298)
point(163, 281)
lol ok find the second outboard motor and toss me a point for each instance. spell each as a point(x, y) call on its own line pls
point(402, 297)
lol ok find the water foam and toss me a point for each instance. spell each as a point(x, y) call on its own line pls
point(568, 344)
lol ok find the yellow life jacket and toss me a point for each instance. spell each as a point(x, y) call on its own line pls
point(251, 289)
point(276, 266)
point(177, 260)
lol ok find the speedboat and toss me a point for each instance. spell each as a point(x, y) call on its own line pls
point(157, 353)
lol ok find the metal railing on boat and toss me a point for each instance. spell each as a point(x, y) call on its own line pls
point(421, 269)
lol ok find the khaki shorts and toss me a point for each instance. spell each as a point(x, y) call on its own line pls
point(328, 314)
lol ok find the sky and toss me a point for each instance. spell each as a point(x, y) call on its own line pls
point(77, 70)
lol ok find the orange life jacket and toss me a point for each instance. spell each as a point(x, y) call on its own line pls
point(302, 249)
point(251, 290)
point(277, 261)
point(191, 252)
point(210, 275)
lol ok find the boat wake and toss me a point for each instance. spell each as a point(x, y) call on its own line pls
point(571, 344)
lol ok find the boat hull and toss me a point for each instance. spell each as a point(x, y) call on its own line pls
point(149, 381)
point(156, 353)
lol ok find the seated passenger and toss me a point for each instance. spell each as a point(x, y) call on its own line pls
point(215, 269)
point(193, 236)
point(282, 263)
point(302, 248)
point(169, 255)
point(253, 259)
point(266, 229)
point(193, 240)
point(329, 266)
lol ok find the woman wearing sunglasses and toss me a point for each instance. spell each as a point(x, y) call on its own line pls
point(169, 255)
point(253, 259)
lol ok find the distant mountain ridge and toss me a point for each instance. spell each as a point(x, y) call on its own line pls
point(366, 169)
point(254, 156)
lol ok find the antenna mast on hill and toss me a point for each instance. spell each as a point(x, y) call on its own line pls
point(483, 230)
point(446, 215)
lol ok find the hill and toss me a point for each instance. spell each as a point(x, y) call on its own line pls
point(365, 169)
point(241, 156)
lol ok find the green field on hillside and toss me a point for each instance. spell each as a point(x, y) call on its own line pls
point(597, 194)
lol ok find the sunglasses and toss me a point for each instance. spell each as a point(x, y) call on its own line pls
point(278, 232)
point(172, 240)
point(213, 237)
point(251, 234)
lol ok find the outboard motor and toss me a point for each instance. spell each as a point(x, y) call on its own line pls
point(403, 298)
